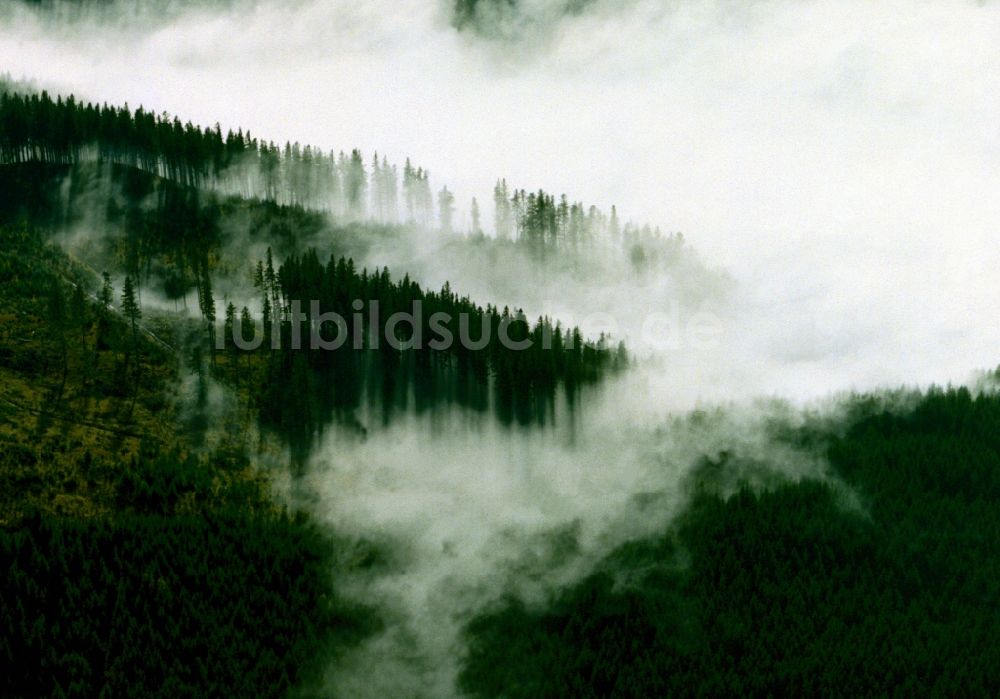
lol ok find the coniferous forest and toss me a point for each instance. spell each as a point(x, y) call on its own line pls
point(282, 414)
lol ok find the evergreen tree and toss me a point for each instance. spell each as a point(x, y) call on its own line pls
point(78, 311)
point(131, 310)
point(477, 228)
point(207, 302)
point(229, 327)
point(106, 296)
point(501, 211)
point(446, 209)
point(246, 325)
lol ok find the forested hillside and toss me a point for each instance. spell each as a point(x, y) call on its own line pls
point(278, 420)
point(791, 590)
point(36, 128)
point(153, 193)
point(142, 552)
point(451, 351)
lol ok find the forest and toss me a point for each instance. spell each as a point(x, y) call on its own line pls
point(168, 223)
point(475, 355)
point(135, 562)
point(226, 603)
point(141, 552)
point(226, 471)
point(789, 590)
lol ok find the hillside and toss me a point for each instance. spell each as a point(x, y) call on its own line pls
point(280, 420)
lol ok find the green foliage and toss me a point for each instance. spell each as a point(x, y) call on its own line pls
point(228, 603)
point(786, 592)
point(28, 270)
point(157, 485)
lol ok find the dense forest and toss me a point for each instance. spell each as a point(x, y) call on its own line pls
point(448, 351)
point(137, 558)
point(451, 351)
point(226, 603)
point(789, 590)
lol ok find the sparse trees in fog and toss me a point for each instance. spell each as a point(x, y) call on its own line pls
point(35, 128)
point(502, 223)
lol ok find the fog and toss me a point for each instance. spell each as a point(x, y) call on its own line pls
point(834, 167)
point(473, 514)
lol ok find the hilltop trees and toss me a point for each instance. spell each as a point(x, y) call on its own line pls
point(164, 219)
point(203, 165)
point(547, 227)
point(37, 128)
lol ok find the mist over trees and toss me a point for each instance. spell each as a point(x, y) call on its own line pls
point(546, 226)
point(787, 589)
point(205, 334)
point(34, 128)
point(159, 197)
point(148, 13)
point(512, 19)
point(152, 195)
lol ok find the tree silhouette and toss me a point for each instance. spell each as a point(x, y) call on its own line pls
point(132, 313)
